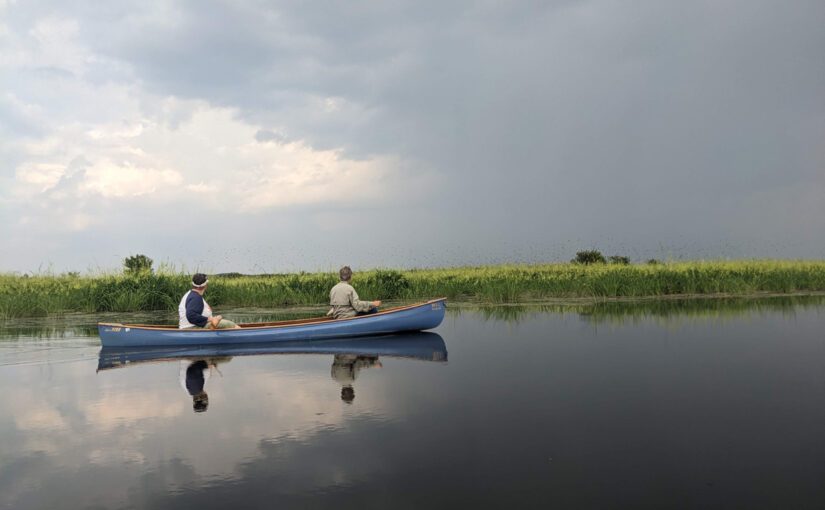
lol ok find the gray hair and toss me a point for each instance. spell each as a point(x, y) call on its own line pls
point(345, 273)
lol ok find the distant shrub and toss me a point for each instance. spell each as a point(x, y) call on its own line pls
point(620, 260)
point(229, 275)
point(653, 262)
point(589, 257)
point(137, 264)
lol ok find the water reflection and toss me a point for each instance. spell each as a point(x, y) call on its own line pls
point(420, 345)
point(193, 377)
point(84, 326)
point(345, 368)
point(350, 356)
point(552, 413)
point(664, 310)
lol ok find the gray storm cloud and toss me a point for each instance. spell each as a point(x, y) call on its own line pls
point(689, 129)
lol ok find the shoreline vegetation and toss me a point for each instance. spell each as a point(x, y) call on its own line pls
point(48, 294)
point(669, 312)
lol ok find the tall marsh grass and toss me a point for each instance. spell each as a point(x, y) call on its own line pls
point(22, 296)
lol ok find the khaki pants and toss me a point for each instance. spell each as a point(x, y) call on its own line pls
point(223, 324)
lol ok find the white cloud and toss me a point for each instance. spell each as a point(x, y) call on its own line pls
point(172, 151)
point(202, 188)
point(111, 179)
point(87, 148)
point(23, 109)
point(55, 47)
point(292, 174)
point(42, 175)
point(117, 141)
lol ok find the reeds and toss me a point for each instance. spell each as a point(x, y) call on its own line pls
point(26, 296)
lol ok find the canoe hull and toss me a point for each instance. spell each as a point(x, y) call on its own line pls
point(413, 318)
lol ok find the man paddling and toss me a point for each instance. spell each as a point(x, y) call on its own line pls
point(195, 312)
point(344, 300)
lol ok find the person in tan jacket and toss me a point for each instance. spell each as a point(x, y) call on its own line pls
point(344, 300)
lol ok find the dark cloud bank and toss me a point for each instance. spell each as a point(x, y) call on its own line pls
point(694, 129)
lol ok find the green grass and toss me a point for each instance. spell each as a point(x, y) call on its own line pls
point(40, 295)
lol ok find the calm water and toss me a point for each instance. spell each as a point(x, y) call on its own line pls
point(709, 404)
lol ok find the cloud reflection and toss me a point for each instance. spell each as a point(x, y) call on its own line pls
point(116, 424)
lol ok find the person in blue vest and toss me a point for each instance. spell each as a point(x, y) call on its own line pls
point(195, 312)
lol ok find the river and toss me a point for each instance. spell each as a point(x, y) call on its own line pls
point(705, 403)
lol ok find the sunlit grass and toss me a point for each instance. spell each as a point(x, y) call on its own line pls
point(47, 294)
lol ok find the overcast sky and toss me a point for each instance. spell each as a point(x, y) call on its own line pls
point(259, 136)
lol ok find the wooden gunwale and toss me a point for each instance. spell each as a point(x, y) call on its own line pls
point(268, 325)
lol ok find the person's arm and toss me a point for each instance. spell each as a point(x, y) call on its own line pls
point(361, 306)
point(194, 310)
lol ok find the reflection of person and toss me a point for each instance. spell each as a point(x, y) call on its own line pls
point(195, 312)
point(193, 380)
point(344, 300)
point(193, 376)
point(345, 368)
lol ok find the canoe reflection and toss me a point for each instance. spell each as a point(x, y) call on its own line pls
point(350, 356)
point(421, 345)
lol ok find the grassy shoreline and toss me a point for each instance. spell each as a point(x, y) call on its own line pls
point(41, 295)
point(669, 312)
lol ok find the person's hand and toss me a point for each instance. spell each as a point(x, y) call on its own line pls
point(215, 320)
point(330, 311)
point(376, 303)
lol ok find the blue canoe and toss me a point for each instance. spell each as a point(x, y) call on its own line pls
point(405, 318)
point(424, 346)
